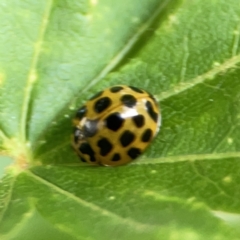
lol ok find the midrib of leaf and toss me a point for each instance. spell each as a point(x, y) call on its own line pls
point(32, 75)
point(126, 221)
point(191, 157)
point(208, 76)
point(172, 159)
point(125, 50)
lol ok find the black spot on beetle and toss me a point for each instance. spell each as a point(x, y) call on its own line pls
point(85, 148)
point(134, 152)
point(116, 157)
point(139, 120)
point(105, 146)
point(81, 112)
point(127, 138)
point(151, 111)
point(96, 95)
point(147, 135)
point(136, 89)
point(114, 121)
point(116, 89)
point(128, 100)
point(102, 104)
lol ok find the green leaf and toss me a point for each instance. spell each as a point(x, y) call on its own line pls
point(56, 54)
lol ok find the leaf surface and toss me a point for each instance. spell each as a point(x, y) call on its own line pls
point(56, 54)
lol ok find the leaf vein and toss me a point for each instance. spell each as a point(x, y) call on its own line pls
point(190, 157)
point(183, 86)
point(91, 206)
point(209, 180)
point(32, 75)
point(8, 198)
point(229, 131)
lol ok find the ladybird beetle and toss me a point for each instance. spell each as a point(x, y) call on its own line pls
point(115, 126)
